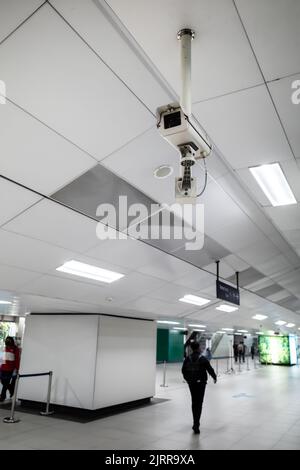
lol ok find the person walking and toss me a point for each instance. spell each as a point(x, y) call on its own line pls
point(194, 371)
point(240, 349)
point(252, 351)
point(10, 365)
point(235, 352)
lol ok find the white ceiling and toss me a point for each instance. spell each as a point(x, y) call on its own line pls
point(83, 82)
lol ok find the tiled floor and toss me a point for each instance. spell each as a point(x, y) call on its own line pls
point(256, 409)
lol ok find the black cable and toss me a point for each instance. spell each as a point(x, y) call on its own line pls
point(205, 180)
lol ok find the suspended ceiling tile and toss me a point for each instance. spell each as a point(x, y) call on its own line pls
point(50, 222)
point(23, 252)
point(14, 12)
point(33, 158)
point(133, 285)
point(247, 277)
point(129, 253)
point(235, 262)
point(282, 294)
point(293, 237)
point(12, 278)
point(211, 251)
point(285, 217)
point(67, 86)
point(273, 29)
point(289, 112)
point(220, 48)
point(232, 122)
point(98, 26)
point(291, 303)
point(168, 268)
point(268, 291)
point(14, 199)
point(147, 304)
point(265, 282)
point(258, 252)
point(56, 287)
point(197, 280)
point(137, 161)
point(99, 186)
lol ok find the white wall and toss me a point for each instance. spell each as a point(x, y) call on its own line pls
point(126, 361)
point(97, 360)
point(65, 344)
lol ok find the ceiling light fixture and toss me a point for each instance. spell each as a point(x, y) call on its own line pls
point(274, 184)
point(91, 272)
point(259, 317)
point(168, 322)
point(179, 328)
point(228, 329)
point(280, 322)
point(226, 308)
point(197, 326)
point(5, 302)
point(242, 331)
point(290, 325)
point(195, 300)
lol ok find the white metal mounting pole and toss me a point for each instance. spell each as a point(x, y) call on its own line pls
point(186, 36)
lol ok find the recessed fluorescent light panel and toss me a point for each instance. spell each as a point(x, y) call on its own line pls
point(178, 328)
point(272, 181)
point(197, 326)
point(5, 302)
point(168, 322)
point(290, 325)
point(195, 300)
point(280, 322)
point(226, 308)
point(89, 271)
point(259, 317)
point(228, 329)
point(242, 331)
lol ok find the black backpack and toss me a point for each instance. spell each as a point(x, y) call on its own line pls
point(191, 370)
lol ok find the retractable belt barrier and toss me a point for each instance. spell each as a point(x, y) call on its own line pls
point(11, 418)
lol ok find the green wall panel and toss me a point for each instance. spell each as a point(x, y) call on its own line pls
point(162, 345)
point(175, 346)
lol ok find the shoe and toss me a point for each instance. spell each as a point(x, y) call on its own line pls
point(196, 429)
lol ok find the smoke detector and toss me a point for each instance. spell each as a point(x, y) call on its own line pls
point(163, 171)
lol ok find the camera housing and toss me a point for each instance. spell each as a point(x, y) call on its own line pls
point(180, 130)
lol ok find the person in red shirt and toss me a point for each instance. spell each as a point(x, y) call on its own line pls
point(10, 363)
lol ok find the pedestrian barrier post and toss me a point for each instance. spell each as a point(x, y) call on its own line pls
point(47, 412)
point(11, 418)
point(164, 375)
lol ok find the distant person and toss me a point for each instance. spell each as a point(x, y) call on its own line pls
point(240, 349)
point(235, 352)
point(9, 367)
point(194, 370)
point(244, 351)
point(252, 351)
point(208, 354)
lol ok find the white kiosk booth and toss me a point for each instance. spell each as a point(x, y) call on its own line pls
point(98, 361)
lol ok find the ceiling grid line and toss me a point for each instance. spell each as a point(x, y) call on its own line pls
point(265, 82)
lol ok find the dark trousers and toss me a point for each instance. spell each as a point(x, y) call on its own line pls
point(197, 390)
point(8, 384)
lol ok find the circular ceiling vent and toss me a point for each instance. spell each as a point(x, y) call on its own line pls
point(163, 171)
